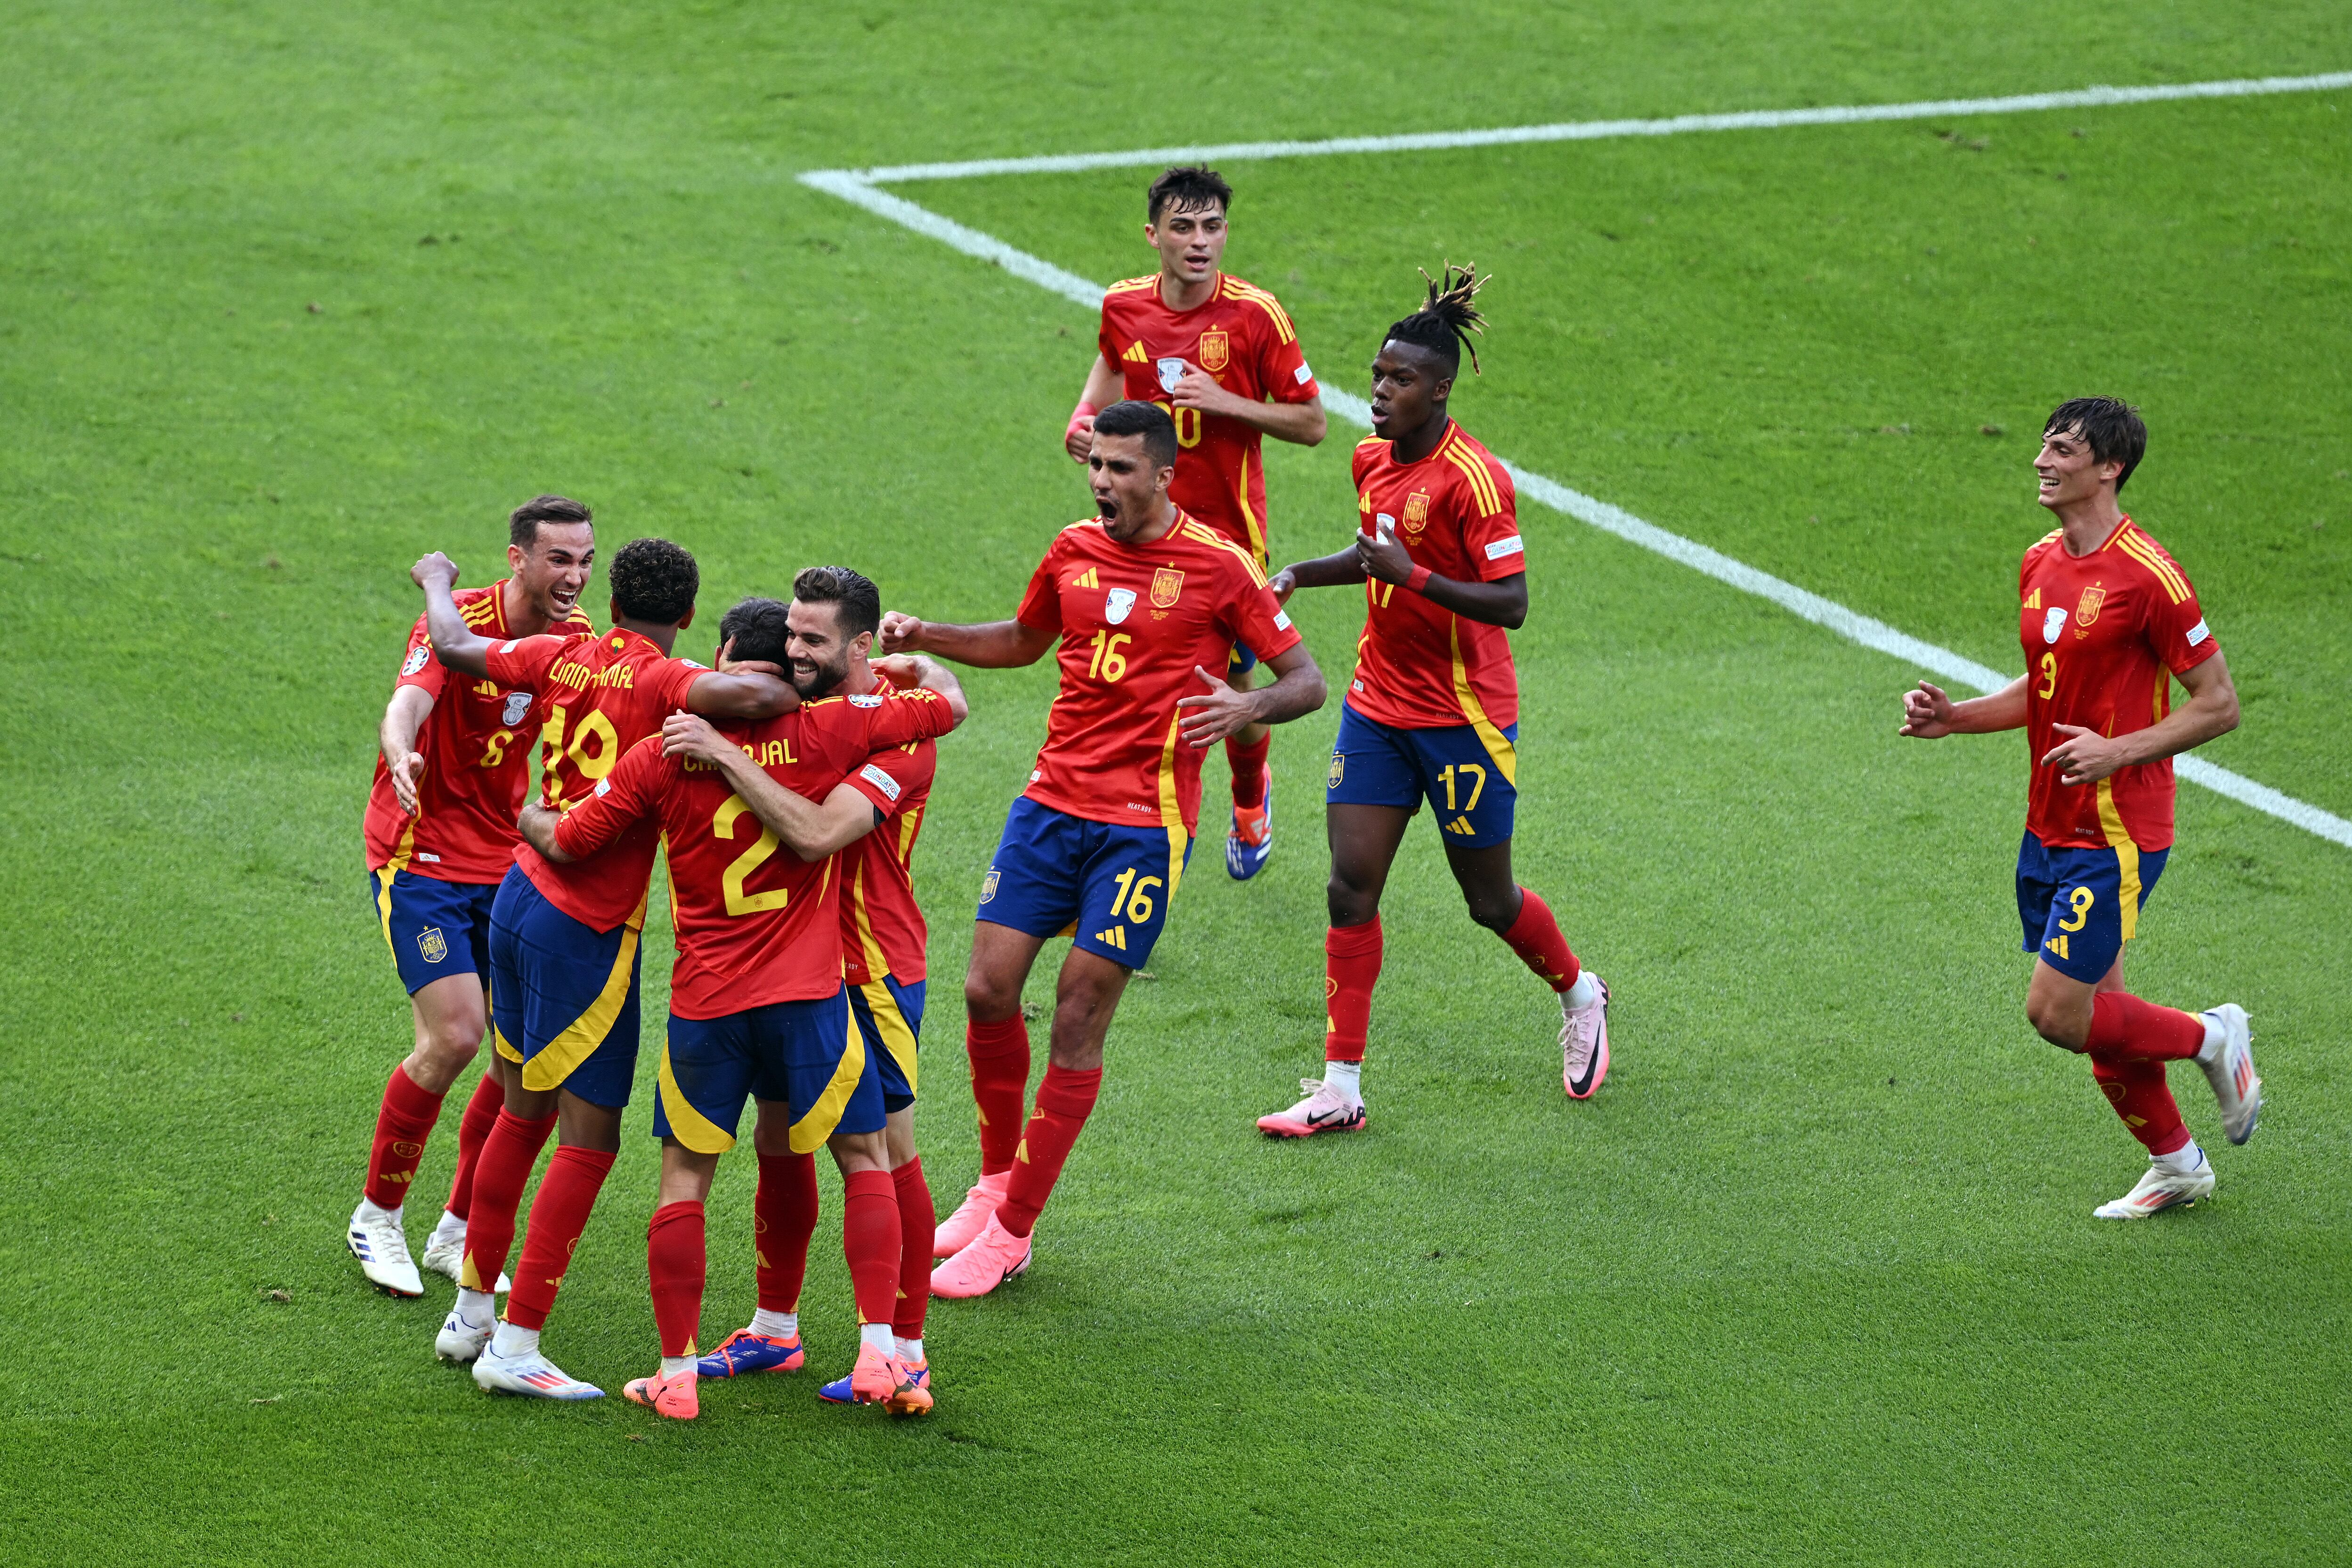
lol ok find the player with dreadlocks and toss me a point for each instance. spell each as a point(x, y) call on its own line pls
point(1432, 711)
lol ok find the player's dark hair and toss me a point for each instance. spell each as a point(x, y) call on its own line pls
point(654, 581)
point(760, 628)
point(1147, 420)
point(1447, 317)
point(2111, 427)
point(522, 523)
point(858, 603)
point(1186, 187)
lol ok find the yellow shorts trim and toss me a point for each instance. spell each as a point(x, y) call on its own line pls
point(2111, 823)
point(809, 1133)
point(898, 1037)
point(555, 1060)
point(686, 1124)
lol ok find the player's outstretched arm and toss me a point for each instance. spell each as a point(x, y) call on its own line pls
point(453, 642)
point(1333, 571)
point(995, 645)
point(1221, 710)
point(810, 830)
point(404, 717)
point(740, 693)
point(2211, 709)
point(908, 671)
point(1929, 715)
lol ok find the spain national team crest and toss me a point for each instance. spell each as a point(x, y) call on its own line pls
point(1416, 512)
point(1216, 351)
point(988, 886)
point(1172, 370)
point(1167, 588)
point(432, 945)
point(2088, 610)
point(1338, 769)
point(1117, 604)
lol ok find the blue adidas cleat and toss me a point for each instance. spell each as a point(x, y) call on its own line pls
point(1250, 839)
point(743, 1351)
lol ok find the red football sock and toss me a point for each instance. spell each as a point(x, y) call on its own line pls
point(917, 1224)
point(1351, 967)
point(783, 1217)
point(558, 1216)
point(1000, 1082)
point(2141, 1096)
point(2122, 1025)
point(1248, 763)
point(1064, 1100)
point(1535, 937)
point(402, 1126)
point(500, 1174)
point(674, 1263)
point(473, 1131)
point(869, 1239)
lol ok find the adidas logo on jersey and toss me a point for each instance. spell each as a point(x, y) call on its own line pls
point(1115, 937)
point(1086, 579)
point(1136, 354)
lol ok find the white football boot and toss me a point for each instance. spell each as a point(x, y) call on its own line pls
point(383, 1251)
point(446, 1255)
point(2158, 1191)
point(530, 1374)
point(2236, 1090)
point(1327, 1108)
point(460, 1341)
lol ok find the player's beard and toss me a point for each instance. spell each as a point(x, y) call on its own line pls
point(821, 678)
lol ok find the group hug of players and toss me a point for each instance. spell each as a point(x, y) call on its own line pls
point(786, 782)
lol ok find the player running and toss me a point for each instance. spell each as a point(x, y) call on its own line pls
point(870, 820)
point(1432, 711)
point(1220, 355)
point(1145, 601)
point(2107, 620)
point(756, 1000)
point(565, 938)
point(440, 834)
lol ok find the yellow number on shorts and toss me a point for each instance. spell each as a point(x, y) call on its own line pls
point(1134, 896)
point(1477, 786)
point(495, 751)
point(739, 902)
point(1107, 663)
point(2049, 675)
point(2082, 898)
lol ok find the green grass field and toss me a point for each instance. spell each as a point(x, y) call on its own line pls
point(290, 295)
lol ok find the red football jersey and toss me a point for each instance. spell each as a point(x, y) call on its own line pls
point(477, 746)
point(755, 924)
point(600, 695)
point(1243, 337)
point(1135, 620)
point(882, 928)
point(2104, 635)
point(1420, 666)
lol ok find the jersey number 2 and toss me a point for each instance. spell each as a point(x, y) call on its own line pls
point(739, 902)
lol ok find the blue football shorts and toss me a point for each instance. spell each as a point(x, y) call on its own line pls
point(890, 1017)
point(435, 929)
point(563, 997)
point(2080, 905)
point(808, 1055)
point(1107, 884)
point(1470, 780)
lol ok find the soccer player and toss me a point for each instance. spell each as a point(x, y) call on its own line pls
point(563, 937)
point(2108, 621)
point(1144, 601)
point(440, 834)
point(1220, 355)
point(870, 820)
point(1432, 711)
point(756, 1000)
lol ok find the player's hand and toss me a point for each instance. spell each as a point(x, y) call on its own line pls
point(901, 632)
point(1078, 440)
point(690, 735)
point(1927, 713)
point(2086, 755)
point(1196, 388)
point(725, 663)
point(1219, 712)
point(1282, 584)
point(1383, 559)
point(902, 671)
point(405, 774)
point(436, 567)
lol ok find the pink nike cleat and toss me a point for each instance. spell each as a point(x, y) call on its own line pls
point(991, 1257)
point(672, 1396)
point(1326, 1109)
point(956, 1231)
point(875, 1377)
point(1584, 1044)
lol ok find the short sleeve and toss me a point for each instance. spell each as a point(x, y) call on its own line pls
point(418, 667)
point(620, 798)
point(890, 777)
point(525, 662)
point(2176, 628)
point(918, 714)
point(672, 680)
point(1490, 531)
point(1104, 345)
point(1256, 619)
point(1282, 363)
point(1041, 606)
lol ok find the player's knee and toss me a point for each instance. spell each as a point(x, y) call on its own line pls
point(990, 998)
point(1350, 902)
point(2059, 1024)
point(1496, 915)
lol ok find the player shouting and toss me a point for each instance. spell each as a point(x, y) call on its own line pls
point(440, 834)
point(563, 937)
point(2108, 619)
point(1145, 601)
point(1432, 711)
point(1221, 356)
point(756, 1001)
point(871, 820)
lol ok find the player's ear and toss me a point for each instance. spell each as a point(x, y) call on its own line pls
point(862, 644)
point(687, 619)
point(516, 556)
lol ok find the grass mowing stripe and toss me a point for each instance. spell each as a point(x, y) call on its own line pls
point(1852, 624)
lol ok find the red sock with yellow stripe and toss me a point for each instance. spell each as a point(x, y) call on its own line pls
point(559, 1215)
point(1064, 1099)
point(870, 1241)
point(473, 1133)
point(674, 1264)
point(1000, 1083)
point(500, 1173)
point(918, 1223)
point(1535, 937)
point(402, 1125)
point(783, 1217)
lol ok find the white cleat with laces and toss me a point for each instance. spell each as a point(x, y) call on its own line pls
point(377, 1241)
point(1584, 1043)
point(530, 1374)
point(460, 1341)
point(445, 1253)
point(2236, 1088)
point(1327, 1108)
point(2161, 1190)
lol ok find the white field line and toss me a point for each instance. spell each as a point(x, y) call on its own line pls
point(859, 188)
